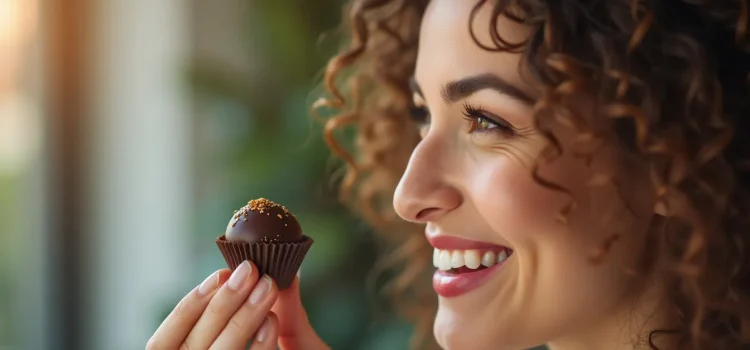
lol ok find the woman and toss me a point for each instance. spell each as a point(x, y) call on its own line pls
point(577, 168)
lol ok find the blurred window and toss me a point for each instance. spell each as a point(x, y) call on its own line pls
point(22, 258)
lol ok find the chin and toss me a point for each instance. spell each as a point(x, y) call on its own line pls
point(455, 331)
point(448, 334)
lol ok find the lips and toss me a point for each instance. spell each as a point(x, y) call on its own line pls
point(464, 265)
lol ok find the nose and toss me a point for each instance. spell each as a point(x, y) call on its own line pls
point(425, 192)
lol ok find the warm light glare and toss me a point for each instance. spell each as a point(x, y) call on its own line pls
point(17, 25)
point(17, 21)
point(18, 119)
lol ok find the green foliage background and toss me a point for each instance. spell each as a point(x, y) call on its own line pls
point(256, 138)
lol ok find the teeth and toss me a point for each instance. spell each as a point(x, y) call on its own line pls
point(502, 256)
point(457, 259)
point(445, 260)
point(489, 259)
point(473, 259)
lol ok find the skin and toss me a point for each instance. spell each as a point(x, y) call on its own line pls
point(471, 179)
point(219, 314)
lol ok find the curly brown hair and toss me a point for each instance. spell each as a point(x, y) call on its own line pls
point(670, 78)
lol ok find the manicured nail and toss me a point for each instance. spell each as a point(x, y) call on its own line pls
point(263, 331)
point(209, 284)
point(240, 276)
point(261, 290)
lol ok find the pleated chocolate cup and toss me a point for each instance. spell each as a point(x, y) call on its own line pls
point(280, 261)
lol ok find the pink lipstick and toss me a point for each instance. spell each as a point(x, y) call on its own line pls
point(464, 265)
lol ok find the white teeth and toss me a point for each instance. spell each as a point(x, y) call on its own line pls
point(457, 259)
point(489, 259)
point(502, 256)
point(472, 259)
point(445, 260)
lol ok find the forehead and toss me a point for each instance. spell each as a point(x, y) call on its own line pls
point(447, 51)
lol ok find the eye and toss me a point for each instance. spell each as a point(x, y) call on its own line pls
point(421, 116)
point(483, 122)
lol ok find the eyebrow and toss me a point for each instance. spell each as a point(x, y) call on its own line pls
point(460, 89)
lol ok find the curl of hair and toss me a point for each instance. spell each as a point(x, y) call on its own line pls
point(671, 80)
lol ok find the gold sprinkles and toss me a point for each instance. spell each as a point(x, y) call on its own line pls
point(262, 206)
point(266, 240)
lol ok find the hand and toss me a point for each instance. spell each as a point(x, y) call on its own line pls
point(295, 331)
point(226, 312)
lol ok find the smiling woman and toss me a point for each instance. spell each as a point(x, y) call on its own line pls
point(577, 168)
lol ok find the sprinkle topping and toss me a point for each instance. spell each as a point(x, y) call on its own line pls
point(261, 205)
point(263, 221)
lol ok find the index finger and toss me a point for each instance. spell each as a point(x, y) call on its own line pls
point(175, 328)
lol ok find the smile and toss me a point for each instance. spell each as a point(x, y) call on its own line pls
point(459, 261)
point(464, 265)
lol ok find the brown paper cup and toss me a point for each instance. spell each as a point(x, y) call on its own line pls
point(280, 261)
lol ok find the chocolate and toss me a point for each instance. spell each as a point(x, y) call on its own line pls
point(263, 221)
point(269, 235)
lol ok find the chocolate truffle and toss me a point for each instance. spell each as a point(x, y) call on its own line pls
point(263, 221)
point(269, 235)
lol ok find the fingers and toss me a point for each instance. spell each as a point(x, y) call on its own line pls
point(292, 316)
point(222, 306)
point(295, 331)
point(249, 317)
point(266, 338)
point(175, 328)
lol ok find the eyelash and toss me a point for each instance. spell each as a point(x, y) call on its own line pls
point(476, 114)
point(473, 115)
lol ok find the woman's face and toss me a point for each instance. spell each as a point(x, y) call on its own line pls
point(469, 180)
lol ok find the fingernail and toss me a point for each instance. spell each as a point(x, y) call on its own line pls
point(209, 284)
point(299, 272)
point(240, 276)
point(261, 289)
point(263, 331)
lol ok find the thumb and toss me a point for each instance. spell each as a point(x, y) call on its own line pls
point(295, 331)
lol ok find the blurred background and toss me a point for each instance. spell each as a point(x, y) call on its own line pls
point(129, 132)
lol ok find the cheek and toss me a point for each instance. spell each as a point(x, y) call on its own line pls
point(512, 203)
point(526, 215)
point(552, 257)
